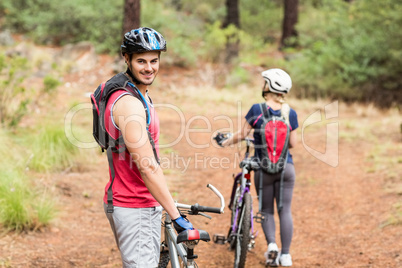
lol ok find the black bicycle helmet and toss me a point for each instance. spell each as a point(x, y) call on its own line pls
point(142, 40)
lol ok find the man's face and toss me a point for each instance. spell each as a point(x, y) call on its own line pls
point(144, 66)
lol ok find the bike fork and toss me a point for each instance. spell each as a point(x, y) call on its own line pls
point(252, 235)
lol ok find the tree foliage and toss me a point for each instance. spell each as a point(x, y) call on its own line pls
point(62, 22)
point(347, 49)
point(353, 53)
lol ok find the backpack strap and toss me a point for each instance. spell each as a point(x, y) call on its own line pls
point(265, 114)
point(110, 190)
point(260, 191)
point(265, 110)
point(148, 118)
point(280, 202)
point(109, 151)
point(285, 111)
point(144, 103)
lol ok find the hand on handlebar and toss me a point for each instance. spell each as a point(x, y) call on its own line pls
point(221, 137)
point(182, 223)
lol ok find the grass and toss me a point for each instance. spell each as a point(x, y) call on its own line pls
point(5, 262)
point(24, 206)
point(51, 150)
point(46, 209)
point(383, 156)
point(395, 217)
point(15, 196)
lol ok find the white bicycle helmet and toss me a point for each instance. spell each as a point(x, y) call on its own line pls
point(278, 81)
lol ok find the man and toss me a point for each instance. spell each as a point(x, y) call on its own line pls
point(139, 187)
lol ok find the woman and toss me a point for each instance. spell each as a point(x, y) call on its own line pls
point(277, 85)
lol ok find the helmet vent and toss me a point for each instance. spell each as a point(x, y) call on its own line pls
point(146, 37)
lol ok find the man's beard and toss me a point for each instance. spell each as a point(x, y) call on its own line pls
point(141, 81)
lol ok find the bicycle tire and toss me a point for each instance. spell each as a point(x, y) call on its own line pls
point(243, 239)
point(232, 239)
point(164, 259)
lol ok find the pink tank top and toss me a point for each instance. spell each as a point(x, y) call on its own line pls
point(129, 189)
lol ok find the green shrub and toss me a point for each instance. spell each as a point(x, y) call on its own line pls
point(62, 22)
point(14, 212)
point(45, 208)
point(190, 31)
point(261, 19)
point(13, 97)
point(51, 150)
point(237, 77)
point(181, 31)
point(214, 42)
point(50, 84)
point(23, 206)
point(208, 11)
point(353, 53)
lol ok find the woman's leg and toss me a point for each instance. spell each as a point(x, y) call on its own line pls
point(285, 216)
point(268, 224)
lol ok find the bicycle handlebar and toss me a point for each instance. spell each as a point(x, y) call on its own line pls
point(249, 140)
point(196, 208)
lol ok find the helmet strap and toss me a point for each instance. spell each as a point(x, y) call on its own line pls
point(264, 92)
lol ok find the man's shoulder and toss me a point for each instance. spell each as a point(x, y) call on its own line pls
point(117, 95)
point(127, 104)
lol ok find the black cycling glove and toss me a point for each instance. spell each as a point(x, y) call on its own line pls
point(220, 138)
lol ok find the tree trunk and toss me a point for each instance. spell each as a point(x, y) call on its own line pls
point(289, 32)
point(132, 13)
point(177, 4)
point(232, 17)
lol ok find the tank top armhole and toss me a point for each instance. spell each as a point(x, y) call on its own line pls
point(111, 109)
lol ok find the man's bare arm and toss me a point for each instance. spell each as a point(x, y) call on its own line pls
point(129, 116)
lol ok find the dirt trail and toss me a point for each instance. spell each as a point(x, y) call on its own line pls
point(337, 211)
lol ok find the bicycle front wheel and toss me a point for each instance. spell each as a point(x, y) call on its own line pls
point(164, 259)
point(232, 232)
point(243, 237)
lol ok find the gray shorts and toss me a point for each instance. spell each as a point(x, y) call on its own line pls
point(137, 232)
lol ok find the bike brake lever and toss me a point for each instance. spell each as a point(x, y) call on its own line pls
point(199, 213)
point(205, 215)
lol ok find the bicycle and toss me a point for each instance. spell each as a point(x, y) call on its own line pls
point(241, 233)
point(181, 247)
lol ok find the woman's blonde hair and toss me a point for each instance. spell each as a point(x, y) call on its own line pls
point(279, 98)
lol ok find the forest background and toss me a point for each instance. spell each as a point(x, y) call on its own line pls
point(350, 51)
